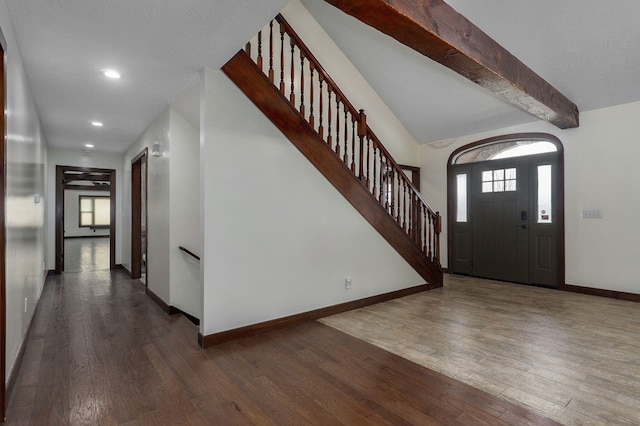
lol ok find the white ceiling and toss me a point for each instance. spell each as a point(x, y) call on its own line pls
point(159, 46)
point(587, 49)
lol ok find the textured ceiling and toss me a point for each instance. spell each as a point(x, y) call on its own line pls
point(587, 49)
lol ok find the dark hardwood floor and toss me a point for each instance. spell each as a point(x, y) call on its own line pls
point(102, 353)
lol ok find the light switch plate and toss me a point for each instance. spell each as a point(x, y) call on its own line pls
point(592, 214)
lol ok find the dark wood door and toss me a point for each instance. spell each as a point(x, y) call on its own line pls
point(138, 214)
point(3, 174)
point(505, 219)
point(500, 217)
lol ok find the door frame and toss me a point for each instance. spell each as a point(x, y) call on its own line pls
point(3, 194)
point(451, 191)
point(137, 192)
point(59, 212)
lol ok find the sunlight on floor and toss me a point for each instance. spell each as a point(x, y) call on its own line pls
point(86, 254)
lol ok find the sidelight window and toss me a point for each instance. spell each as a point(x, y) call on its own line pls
point(461, 198)
point(544, 194)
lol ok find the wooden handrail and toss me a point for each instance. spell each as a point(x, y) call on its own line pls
point(311, 58)
point(345, 131)
point(189, 252)
point(327, 78)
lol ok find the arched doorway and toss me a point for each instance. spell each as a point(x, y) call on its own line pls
point(506, 209)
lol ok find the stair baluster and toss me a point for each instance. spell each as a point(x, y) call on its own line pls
point(271, 71)
point(370, 162)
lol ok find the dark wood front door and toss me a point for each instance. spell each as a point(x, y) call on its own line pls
point(499, 207)
point(505, 224)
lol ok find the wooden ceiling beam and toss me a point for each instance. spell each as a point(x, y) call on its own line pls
point(436, 30)
point(87, 187)
point(86, 176)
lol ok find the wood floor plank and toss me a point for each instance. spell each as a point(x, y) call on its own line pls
point(102, 352)
point(300, 366)
point(545, 350)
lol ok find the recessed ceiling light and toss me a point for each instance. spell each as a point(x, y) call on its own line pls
point(111, 74)
point(88, 145)
point(97, 124)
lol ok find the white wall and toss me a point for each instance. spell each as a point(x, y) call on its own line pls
point(158, 206)
point(186, 285)
point(26, 175)
point(173, 201)
point(80, 158)
point(393, 135)
point(72, 214)
point(278, 237)
point(601, 172)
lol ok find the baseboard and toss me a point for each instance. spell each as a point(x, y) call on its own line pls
point(122, 267)
point(263, 327)
point(176, 311)
point(170, 310)
point(86, 236)
point(166, 308)
point(611, 294)
point(13, 374)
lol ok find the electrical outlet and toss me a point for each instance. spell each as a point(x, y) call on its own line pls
point(347, 283)
point(25, 304)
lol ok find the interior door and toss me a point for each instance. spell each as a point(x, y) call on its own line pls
point(139, 215)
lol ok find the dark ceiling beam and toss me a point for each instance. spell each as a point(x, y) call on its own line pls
point(86, 176)
point(87, 187)
point(436, 30)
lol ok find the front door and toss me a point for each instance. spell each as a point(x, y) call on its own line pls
point(499, 205)
point(505, 226)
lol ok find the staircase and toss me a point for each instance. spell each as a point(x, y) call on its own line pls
point(286, 82)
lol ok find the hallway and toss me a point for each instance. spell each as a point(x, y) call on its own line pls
point(100, 352)
point(86, 254)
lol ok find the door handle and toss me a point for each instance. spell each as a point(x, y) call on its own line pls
point(521, 226)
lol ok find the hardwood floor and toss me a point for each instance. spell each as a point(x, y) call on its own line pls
point(86, 254)
point(102, 353)
point(570, 357)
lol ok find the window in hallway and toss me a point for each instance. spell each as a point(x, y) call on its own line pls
point(94, 211)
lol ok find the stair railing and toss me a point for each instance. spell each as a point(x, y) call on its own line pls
point(289, 64)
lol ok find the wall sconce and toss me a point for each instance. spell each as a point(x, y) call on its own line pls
point(155, 149)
